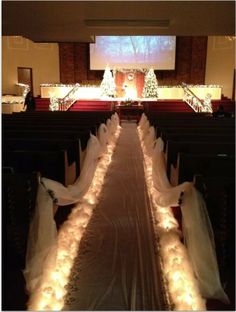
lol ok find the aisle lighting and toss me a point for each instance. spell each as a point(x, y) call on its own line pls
point(179, 281)
point(51, 293)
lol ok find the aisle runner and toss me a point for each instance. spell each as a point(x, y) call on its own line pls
point(116, 265)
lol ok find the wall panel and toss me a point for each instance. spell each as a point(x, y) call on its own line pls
point(67, 62)
point(198, 62)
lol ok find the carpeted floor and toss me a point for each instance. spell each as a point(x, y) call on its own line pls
point(116, 267)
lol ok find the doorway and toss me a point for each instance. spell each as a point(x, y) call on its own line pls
point(25, 76)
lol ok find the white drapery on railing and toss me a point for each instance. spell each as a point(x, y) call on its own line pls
point(197, 230)
point(42, 239)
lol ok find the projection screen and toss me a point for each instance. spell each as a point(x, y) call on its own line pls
point(133, 52)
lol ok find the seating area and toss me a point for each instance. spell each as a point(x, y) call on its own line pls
point(51, 143)
point(198, 148)
point(18, 205)
point(201, 149)
point(47, 144)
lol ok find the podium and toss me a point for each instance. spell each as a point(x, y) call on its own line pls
point(129, 111)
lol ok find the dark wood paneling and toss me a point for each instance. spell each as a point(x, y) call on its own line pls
point(183, 59)
point(67, 63)
point(81, 62)
point(198, 62)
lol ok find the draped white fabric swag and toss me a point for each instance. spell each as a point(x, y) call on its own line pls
point(42, 238)
point(196, 226)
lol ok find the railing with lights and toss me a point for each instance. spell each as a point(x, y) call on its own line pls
point(199, 106)
point(69, 99)
point(65, 103)
point(191, 99)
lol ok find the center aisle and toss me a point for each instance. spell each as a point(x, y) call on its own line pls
point(116, 267)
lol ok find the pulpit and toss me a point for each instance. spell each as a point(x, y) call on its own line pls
point(129, 111)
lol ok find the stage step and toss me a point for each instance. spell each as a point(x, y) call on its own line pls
point(92, 106)
point(42, 104)
point(167, 106)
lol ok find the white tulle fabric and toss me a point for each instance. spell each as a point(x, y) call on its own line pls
point(197, 229)
point(103, 137)
point(149, 140)
point(199, 239)
point(73, 193)
point(42, 238)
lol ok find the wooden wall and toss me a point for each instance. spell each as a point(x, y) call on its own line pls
point(189, 67)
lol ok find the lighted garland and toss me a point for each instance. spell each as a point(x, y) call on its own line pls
point(51, 293)
point(179, 281)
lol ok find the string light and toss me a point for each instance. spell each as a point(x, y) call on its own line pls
point(179, 280)
point(51, 292)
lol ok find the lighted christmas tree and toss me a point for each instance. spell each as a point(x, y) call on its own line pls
point(150, 89)
point(108, 84)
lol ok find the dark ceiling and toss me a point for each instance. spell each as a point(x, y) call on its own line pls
point(81, 21)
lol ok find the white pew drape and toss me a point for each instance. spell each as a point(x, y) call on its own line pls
point(197, 229)
point(42, 238)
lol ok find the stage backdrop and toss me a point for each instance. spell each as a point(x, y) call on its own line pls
point(189, 65)
point(129, 83)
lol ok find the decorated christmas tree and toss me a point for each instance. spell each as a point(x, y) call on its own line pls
point(108, 84)
point(150, 89)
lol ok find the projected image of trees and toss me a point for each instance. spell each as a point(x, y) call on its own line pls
point(134, 49)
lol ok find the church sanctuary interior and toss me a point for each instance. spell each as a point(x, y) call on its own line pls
point(118, 155)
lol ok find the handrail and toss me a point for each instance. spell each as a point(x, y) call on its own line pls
point(194, 102)
point(69, 99)
point(65, 103)
point(184, 85)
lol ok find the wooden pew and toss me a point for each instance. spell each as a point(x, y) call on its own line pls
point(18, 204)
point(188, 136)
point(50, 163)
point(219, 195)
point(163, 131)
point(207, 164)
point(175, 147)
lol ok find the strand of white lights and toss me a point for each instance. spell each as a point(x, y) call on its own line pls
point(51, 293)
point(179, 281)
point(26, 88)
